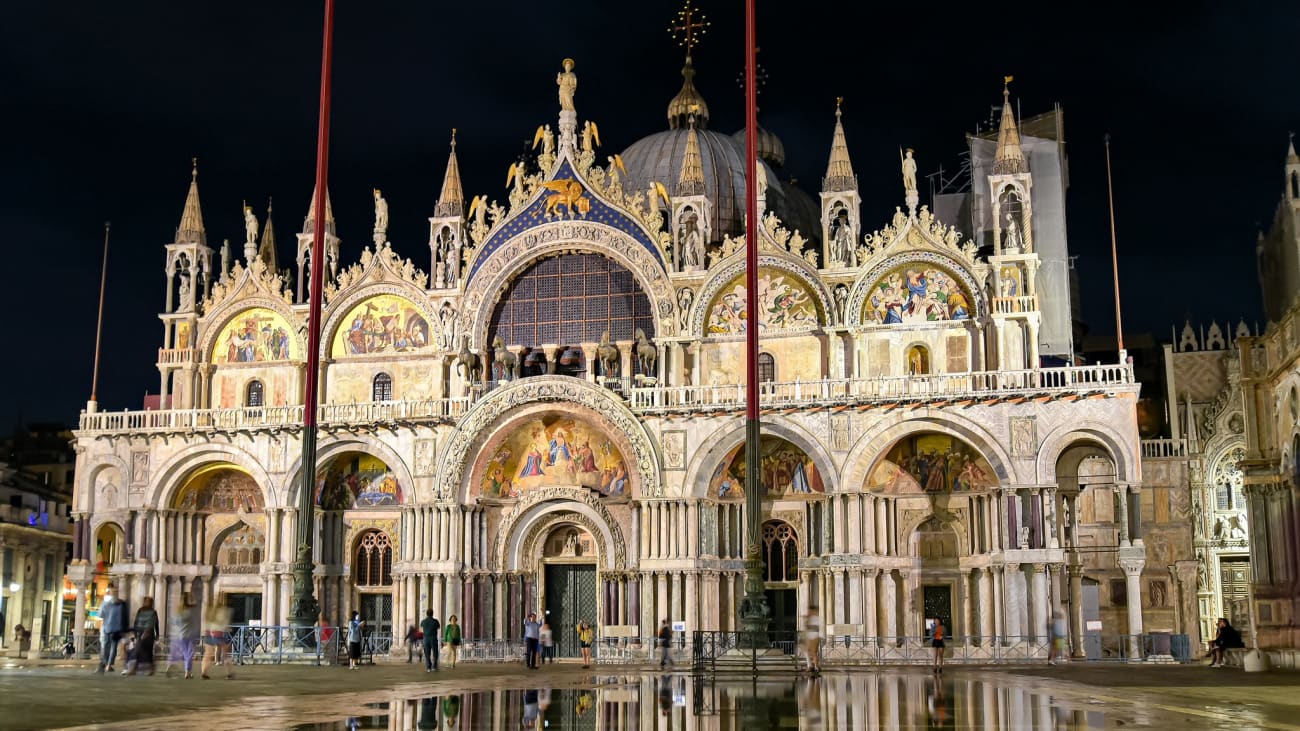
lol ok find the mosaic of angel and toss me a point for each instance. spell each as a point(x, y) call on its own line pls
point(382, 324)
point(555, 450)
point(931, 463)
point(785, 470)
point(254, 336)
point(914, 294)
point(783, 304)
point(357, 480)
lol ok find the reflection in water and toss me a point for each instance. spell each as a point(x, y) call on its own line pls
point(891, 699)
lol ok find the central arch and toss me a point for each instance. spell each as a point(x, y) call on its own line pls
point(542, 508)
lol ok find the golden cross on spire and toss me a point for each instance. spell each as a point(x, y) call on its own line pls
point(689, 27)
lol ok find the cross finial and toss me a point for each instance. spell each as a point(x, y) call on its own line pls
point(453, 138)
point(689, 27)
point(194, 173)
point(839, 100)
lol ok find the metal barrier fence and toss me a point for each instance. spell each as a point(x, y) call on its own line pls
point(742, 650)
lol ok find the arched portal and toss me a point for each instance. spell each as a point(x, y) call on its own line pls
point(567, 582)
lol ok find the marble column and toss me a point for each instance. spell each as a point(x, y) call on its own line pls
point(870, 617)
point(1076, 608)
point(888, 606)
point(1038, 621)
point(1132, 567)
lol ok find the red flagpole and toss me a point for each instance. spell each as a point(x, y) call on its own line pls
point(99, 325)
point(306, 607)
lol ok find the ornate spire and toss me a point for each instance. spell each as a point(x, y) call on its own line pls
point(266, 252)
point(687, 30)
point(1010, 158)
point(839, 171)
point(311, 211)
point(191, 229)
point(451, 202)
point(1291, 157)
point(691, 179)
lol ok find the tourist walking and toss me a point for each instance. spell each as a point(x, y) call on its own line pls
point(665, 644)
point(185, 634)
point(216, 637)
point(412, 640)
point(146, 633)
point(356, 626)
point(532, 638)
point(1057, 653)
point(936, 641)
point(430, 627)
point(113, 618)
point(812, 640)
point(451, 640)
point(547, 638)
point(585, 638)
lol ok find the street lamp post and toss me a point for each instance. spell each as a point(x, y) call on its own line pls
point(754, 611)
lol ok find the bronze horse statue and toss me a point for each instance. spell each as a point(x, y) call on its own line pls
point(646, 354)
point(607, 354)
point(508, 361)
point(468, 363)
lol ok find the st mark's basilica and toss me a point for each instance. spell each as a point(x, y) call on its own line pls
point(545, 413)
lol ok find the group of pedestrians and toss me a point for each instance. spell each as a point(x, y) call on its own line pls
point(434, 638)
point(139, 638)
point(539, 642)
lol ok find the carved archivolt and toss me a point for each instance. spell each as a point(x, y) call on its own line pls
point(340, 309)
point(532, 549)
point(474, 425)
point(727, 270)
point(861, 288)
point(548, 239)
point(214, 321)
point(563, 497)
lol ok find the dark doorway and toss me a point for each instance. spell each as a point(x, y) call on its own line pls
point(938, 605)
point(377, 613)
point(245, 607)
point(785, 612)
point(570, 599)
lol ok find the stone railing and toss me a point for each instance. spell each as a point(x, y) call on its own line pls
point(269, 417)
point(1164, 448)
point(645, 399)
point(32, 519)
point(945, 386)
point(1011, 305)
point(177, 356)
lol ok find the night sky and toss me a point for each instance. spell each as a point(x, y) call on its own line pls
point(104, 104)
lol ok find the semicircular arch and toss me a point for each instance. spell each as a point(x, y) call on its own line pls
point(1127, 467)
point(518, 253)
point(477, 427)
point(174, 473)
point(730, 273)
point(219, 321)
point(572, 504)
point(876, 442)
point(377, 448)
point(84, 500)
point(340, 311)
point(860, 292)
point(730, 434)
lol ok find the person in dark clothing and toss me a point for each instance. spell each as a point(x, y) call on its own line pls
point(431, 628)
point(1226, 638)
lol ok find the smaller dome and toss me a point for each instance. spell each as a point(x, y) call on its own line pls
point(688, 103)
point(770, 148)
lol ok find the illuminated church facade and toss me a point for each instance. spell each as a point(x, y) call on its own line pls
point(550, 418)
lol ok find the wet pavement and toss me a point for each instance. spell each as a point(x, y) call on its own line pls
point(564, 696)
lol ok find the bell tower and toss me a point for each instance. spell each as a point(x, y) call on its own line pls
point(1014, 263)
point(841, 223)
point(447, 227)
point(189, 273)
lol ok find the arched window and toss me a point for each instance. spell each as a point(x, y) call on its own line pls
point(1227, 481)
point(382, 388)
point(253, 395)
point(766, 368)
point(780, 552)
point(918, 360)
point(1295, 185)
point(373, 564)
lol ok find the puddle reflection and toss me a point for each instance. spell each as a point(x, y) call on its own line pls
point(618, 703)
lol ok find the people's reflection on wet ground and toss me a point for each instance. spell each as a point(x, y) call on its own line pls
point(665, 683)
point(810, 700)
point(937, 705)
point(531, 711)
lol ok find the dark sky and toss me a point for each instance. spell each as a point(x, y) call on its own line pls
point(104, 104)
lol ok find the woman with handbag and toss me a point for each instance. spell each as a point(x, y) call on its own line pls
point(146, 633)
point(451, 639)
